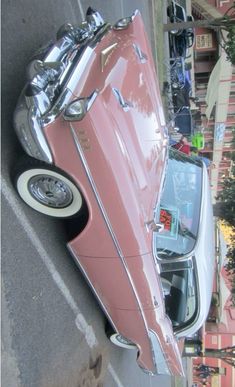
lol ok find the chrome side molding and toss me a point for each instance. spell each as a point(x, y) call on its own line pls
point(126, 105)
point(140, 55)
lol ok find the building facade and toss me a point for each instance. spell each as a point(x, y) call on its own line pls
point(219, 329)
point(214, 85)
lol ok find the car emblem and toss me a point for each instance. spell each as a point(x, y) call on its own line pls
point(106, 54)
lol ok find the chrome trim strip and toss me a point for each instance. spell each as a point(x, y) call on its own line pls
point(124, 104)
point(59, 49)
point(158, 364)
point(40, 138)
point(78, 263)
point(135, 13)
point(94, 18)
point(107, 221)
point(80, 68)
point(91, 99)
point(58, 107)
point(140, 55)
point(40, 101)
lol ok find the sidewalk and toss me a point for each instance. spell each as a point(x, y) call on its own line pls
point(160, 38)
point(187, 381)
point(160, 47)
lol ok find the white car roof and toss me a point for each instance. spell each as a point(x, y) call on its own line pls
point(204, 253)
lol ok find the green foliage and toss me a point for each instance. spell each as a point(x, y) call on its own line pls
point(229, 26)
point(229, 44)
point(230, 266)
point(233, 291)
point(226, 200)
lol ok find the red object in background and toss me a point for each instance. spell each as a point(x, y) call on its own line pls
point(166, 219)
point(182, 147)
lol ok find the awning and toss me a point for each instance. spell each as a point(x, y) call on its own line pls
point(218, 88)
point(206, 10)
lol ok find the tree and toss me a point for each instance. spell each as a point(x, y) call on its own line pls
point(226, 354)
point(233, 291)
point(224, 25)
point(225, 207)
point(230, 266)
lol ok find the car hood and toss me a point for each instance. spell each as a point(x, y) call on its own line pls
point(127, 134)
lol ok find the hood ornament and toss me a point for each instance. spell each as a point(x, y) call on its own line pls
point(105, 55)
point(151, 225)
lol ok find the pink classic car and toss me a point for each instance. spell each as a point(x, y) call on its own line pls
point(91, 122)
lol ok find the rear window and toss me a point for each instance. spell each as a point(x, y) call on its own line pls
point(180, 13)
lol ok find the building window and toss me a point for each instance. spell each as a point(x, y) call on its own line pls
point(214, 340)
point(228, 144)
point(204, 41)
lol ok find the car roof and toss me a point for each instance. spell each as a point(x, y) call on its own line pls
point(205, 247)
point(204, 255)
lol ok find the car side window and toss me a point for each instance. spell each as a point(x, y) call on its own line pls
point(180, 296)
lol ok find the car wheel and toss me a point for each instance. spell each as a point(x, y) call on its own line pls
point(175, 85)
point(47, 189)
point(118, 339)
point(121, 341)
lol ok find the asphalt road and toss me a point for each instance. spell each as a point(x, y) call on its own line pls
point(52, 327)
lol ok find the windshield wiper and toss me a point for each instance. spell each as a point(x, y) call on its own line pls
point(186, 232)
point(169, 253)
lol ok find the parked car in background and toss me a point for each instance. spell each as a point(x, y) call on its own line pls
point(181, 97)
point(183, 121)
point(176, 14)
point(177, 73)
point(182, 39)
point(180, 44)
point(91, 122)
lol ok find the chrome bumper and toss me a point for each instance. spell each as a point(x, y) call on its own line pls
point(42, 100)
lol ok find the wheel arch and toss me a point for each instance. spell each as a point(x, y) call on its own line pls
point(31, 163)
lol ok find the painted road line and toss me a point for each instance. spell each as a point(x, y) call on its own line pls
point(80, 320)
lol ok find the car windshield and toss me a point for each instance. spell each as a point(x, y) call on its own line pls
point(179, 209)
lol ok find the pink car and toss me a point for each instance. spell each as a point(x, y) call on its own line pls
point(91, 122)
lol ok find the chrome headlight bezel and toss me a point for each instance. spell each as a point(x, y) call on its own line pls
point(76, 110)
point(84, 104)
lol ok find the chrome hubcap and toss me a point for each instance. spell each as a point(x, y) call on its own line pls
point(50, 191)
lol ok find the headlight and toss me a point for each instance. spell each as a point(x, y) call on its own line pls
point(76, 110)
point(158, 355)
point(122, 24)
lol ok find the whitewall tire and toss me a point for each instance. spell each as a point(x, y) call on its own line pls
point(121, 341)
point(47, 190)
